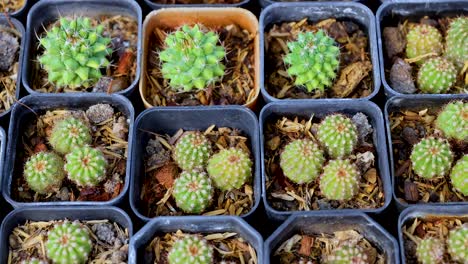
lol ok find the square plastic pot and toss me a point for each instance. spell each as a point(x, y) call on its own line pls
point(315, 11)
point(48, 11)
point(156, 6)
point(3, 140)
point(390, 13)
point(321, 108)
point(194, 224)
point(32, 104)
point(265, 3)
point(168, 120)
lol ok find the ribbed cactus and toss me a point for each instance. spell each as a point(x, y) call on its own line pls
point(68, 134)
point(347, 254)
point(457, 41)
point(453, 120)
point(230, 168)
point(436, 75)
point(338, 134)
point(301, 161)
point(423, 39)
point(33, 261)
point(431, 157)
point(430, 251)
point(191, 249)
point(192, 151)
point(459, 175)
point(457, 244)
point(44, 172)
point(340, 180)
point(193, 191)
point(86, 166)
point(74, 53)
point(68, 243)
point(191, 58)
point(313, 60)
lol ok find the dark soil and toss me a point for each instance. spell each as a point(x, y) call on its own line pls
point(188, 2)
point(10, 40)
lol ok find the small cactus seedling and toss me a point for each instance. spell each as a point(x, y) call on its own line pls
point(230, 168)
point(431, 157)
point(457, 244)
point(338, 134)
point(436, 75)
point(191, 249)
point(193, 192)
point(459, 175)
point(33, 261)
point(430, 251)
point(340, 180)
point(192, 58)
point(457, 41)
point(347, 254)
point(453, 120)
point(44, 172)
point(192, 151)
point(68, 134)
point(86, 166)
point(423, 39)
point(313, 59)
point(74, 53)
point(301, 161)
point(68, 243)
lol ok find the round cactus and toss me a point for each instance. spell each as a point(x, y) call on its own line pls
point(430, 251)
point(431, 157)
point(193, 192)
point(230, 168)
point(192, 151)
point(453, 120)
point(301, 161)
point(340, 180)
point(457, 41)
point(338, 134)
point(44, 172)
point(459, 175)
point(74, 53)
point(191, 249)
point(423, 39)
point(33, 261)
point(457, 244)
point(436, 75)
point(192, 58)
point(347, 254)
point(86, 166)
point(68, 134)
point(313, 59)
point(68, 243)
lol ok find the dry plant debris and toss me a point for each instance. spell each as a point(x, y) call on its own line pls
point(8, 6)
point(187, 2)
point(10, 40)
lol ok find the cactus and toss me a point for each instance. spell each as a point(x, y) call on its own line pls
point(457, 244)
point(430, 251)
point(44, 172)
point(68, 243)
point(192, 151)
point(193, 192)
point(456, 41)
point(421, 40)
point(74, 53)
point(459, 175)
point(453, 120)
point(338, 134)
point(436, 75)
point(431, 157)
point(191, 249)
point(33, 261)
point(347, 254)
point(230, 168)
point(301, 161)
point(192, 58)
point(86, 166)
point(340, 180)
point(68, 134)
point(313, 59)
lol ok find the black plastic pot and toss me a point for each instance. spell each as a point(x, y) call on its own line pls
point(32, 104)
point(305, 223)
point(315, 11)
point(305, 108)
point(48, 11)
point(265, 3)
point(393, 12)
point(168, 120)
point(155, 6)
point(21, 215)
point(3, 140)
point(194, 224)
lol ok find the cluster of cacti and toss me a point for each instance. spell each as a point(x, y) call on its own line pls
point(459, 175)
point(457, 242)
point(338, 134)
point(44, 172)
point(191, 249)
point(74, 52)
point(193, 191)
point(229, 168)
point(347, 254)
point(431, 157)
point(430, 250)
point(423, 39)
point(86, 166)
point(68, 134)
point(436, 75)
point(313, 60)
point(191, 58)
point(456, 41)
point(453, 120)
point(192, 151)
point(340, 180)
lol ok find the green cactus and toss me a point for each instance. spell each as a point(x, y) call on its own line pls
point(430, 251)
point(192, 58)
point(340, 180)
point(192, 151)
point(33, 261)
point(74, 53)
point(313, 59)
point(436, 75)
point(301, 161)
point(453, 120)
point(68, 134)
point(44, 172)
point(86, 166)
point(459, 175)
point(68, 243)
point(230, 168)
point(347, 254)
point(457, 244)
point(191, 249)
point(193, 191)
point(421, 40)
point(457, 41)
point(431, 157)
point(338, 134)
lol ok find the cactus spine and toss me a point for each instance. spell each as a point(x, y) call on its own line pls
point(191, 249)
point(193, 192)
point(430, 251)
point(453, 120)
point(86, 166)
point(431, 157)
point(340, 180)
point(230, 168)
point(338, 134)
point(436, 75)
point(459, 175)
point(44, 172)
point(192, 151)
point(68, 134)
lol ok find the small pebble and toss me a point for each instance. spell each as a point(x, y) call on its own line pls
point(401, 79)
point(105, 232)
point(99, 113)
point(410, 135)
point(362, 125)
point(8, 48)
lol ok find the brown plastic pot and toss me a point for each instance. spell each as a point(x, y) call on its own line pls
point(208, 16)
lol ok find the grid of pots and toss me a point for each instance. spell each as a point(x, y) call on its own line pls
point(138, 186)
